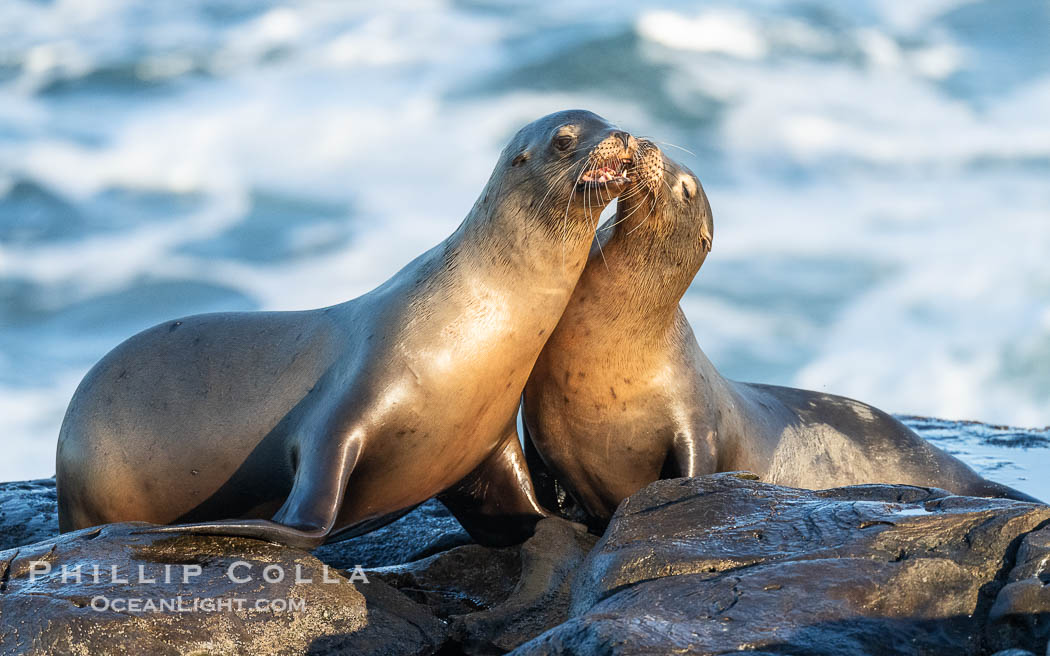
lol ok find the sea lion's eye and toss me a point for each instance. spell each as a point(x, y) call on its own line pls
point(564, 142)
point(686, 191)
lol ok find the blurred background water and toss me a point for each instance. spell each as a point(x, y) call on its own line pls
point(879, 172)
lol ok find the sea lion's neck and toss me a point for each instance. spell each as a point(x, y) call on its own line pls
point(640, 277)
point(500, 283)
point(512, 248)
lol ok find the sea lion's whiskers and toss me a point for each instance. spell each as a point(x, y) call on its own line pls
point(625, 217)
point(622, 219)
point(596, 239)
point(568, 173)
point(553, 181)
point(637, 190)
point(667, 143)
point(568, 204)
point(645, 220)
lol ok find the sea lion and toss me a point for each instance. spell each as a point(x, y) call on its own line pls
point(305, 427)
point(622, 394)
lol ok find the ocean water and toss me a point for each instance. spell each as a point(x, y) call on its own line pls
point(879, 173)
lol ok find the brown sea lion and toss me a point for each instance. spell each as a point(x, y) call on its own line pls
point(622, 394)
point(304, 427)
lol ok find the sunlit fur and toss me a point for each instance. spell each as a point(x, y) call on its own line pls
point(302, 427)
point(622, 394)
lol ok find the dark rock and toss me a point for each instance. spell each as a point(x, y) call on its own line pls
point(719, 564)
point(495, 599)
point(710, 565)
point(47, 615)
point(1023, 605)
point(28, 512)
point(459, 581)
point(427, 530)
point(540, 600)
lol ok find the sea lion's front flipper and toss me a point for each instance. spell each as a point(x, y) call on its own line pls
point(309, 513)
point(496, 502)
point(551, 492)
point(546, 486)
point(693, 453)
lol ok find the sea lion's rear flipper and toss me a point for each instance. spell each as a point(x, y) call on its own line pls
point(309, 513)
point(496, 502)
point(259, 529)
point(981, 487)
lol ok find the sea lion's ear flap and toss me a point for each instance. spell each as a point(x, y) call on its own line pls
point(520, 159)
point(706, 238)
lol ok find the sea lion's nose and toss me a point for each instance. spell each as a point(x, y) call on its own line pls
point(624, 137)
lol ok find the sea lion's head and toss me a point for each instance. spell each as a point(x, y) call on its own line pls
point(566, 167)
point(664, 211)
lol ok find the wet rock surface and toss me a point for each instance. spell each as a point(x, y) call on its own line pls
point(427, 530)
point(1023, 605)
point(460, 581)
point(156, 601)
point(540, 599)
point(710, 565)
point(722, 563)
point(496, 599)
point(28, 513)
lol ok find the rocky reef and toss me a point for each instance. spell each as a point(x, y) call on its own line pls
point(710, 565)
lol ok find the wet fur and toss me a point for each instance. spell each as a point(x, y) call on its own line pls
point(623, 395)
point(303, 427)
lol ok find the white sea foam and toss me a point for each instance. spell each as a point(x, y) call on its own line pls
point(880, 229)
point(717, 31)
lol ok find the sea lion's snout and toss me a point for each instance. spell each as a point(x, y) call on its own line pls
point(608, 164)
point(647, 166)
point(606, 171)
point(576, 153)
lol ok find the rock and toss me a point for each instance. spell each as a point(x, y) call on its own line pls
point(427, 530)
point(539, 601)
point(459, 581)
point(495, 599)
point(1023, 605)
point(721, 563)
point(338, 615)
point(28, 512)
point(712, 565)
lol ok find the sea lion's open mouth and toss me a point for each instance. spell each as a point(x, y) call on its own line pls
point(610, 171)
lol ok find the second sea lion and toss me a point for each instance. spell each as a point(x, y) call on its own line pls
point(622, 394)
